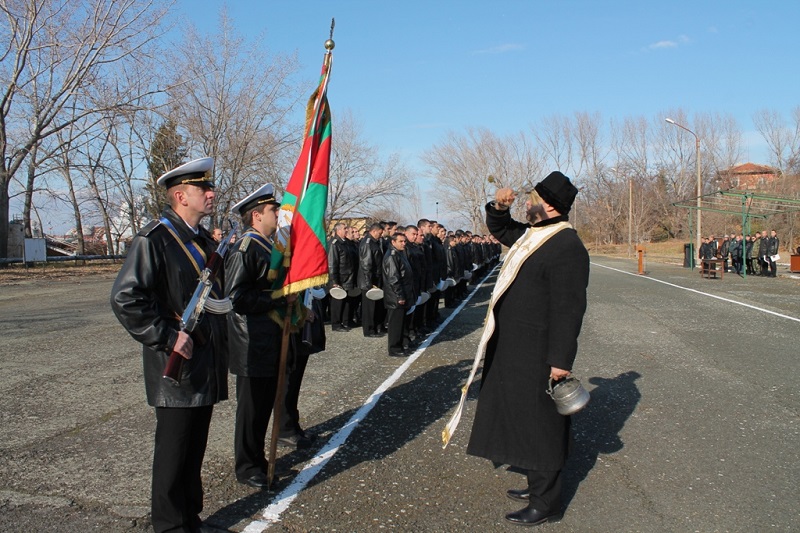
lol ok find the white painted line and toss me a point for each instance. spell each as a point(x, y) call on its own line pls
point(787, 317)
point(272, 513)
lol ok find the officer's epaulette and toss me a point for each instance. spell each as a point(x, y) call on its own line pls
point(244, 243)
point(153, 224)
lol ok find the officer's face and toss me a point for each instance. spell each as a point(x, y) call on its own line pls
point(266, 222)
point(399, 243)
point(199, 199)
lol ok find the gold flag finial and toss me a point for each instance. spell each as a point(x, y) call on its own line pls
point(329, 44)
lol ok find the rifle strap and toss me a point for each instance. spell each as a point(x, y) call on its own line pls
point(193, 252)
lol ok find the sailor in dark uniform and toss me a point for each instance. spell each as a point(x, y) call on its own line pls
point(149, 295)
point(370, 276)
point(398, 292)
point(254, 337)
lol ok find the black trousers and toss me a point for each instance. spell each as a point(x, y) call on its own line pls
point(461, 289)
point(395, 322)
point(450, 297)
point(432, 309)
point(773, 268)
point(369, 315)
point(290, 419)
point(180, 445)
point(418, 317)
point(337, 311)
point(545, 490)
point(351, 307)
point(254, 400)
point(764, 266)
point(380, 315)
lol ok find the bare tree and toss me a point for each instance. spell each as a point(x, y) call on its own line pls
point(783, 140)
point(51, 51)
point(360, 180)
point(233, 101)
point(555, 139)
point(469, 167)
point(722, 138)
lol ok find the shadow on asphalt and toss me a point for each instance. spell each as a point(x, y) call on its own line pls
point(403, 413)
point(597, 427)
point(407, 410)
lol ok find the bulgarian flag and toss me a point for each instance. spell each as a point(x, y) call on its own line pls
point(299, 258)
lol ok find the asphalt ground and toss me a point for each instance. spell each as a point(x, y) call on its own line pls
point(692, 426)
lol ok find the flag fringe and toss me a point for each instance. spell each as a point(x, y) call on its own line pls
point(298, 314)
point(301, 285)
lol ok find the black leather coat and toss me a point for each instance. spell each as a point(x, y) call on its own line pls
point(464, 252)
point(398, 282)
point(150, 294)
point(763, 246)
point(370, 264)
point(342, 263)
point(416, 256)
point(427, 247)
point(454, 269)
point(254, 338)
point(439, 260)
point(773, 245)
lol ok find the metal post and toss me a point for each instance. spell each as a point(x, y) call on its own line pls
point(699, 188)
point(691, 245)
point(744, 243)
point(699, 178)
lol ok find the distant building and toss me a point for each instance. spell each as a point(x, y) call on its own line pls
point(747, 177)
point(360, 223)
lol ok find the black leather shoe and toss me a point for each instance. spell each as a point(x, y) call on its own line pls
point(373, 335)
point(340, 327)
point(398, 353)
point(257, 481)
point(208, 528)
point(521, 495)
point(297, 441)
point(531, 517)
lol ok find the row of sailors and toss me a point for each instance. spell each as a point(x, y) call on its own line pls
point(398, 275)
point(150, 294)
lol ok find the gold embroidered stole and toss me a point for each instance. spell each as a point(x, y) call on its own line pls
point(515, 258)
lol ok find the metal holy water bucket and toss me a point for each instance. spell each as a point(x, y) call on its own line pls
point(569, 395)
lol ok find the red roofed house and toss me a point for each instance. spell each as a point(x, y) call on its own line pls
point(747, 177)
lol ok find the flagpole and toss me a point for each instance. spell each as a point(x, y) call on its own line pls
point(329, 45)
point(280, 393)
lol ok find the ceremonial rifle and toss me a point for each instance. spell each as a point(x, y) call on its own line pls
point(194, 311)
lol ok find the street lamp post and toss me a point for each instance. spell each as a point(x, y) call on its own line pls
point(699, 181)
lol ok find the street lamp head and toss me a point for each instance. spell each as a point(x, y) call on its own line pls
point(670, 120)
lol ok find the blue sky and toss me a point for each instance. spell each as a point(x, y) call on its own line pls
point(411, 71)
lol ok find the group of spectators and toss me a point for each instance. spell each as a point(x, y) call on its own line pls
point(414, 266)
point(756, 255)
